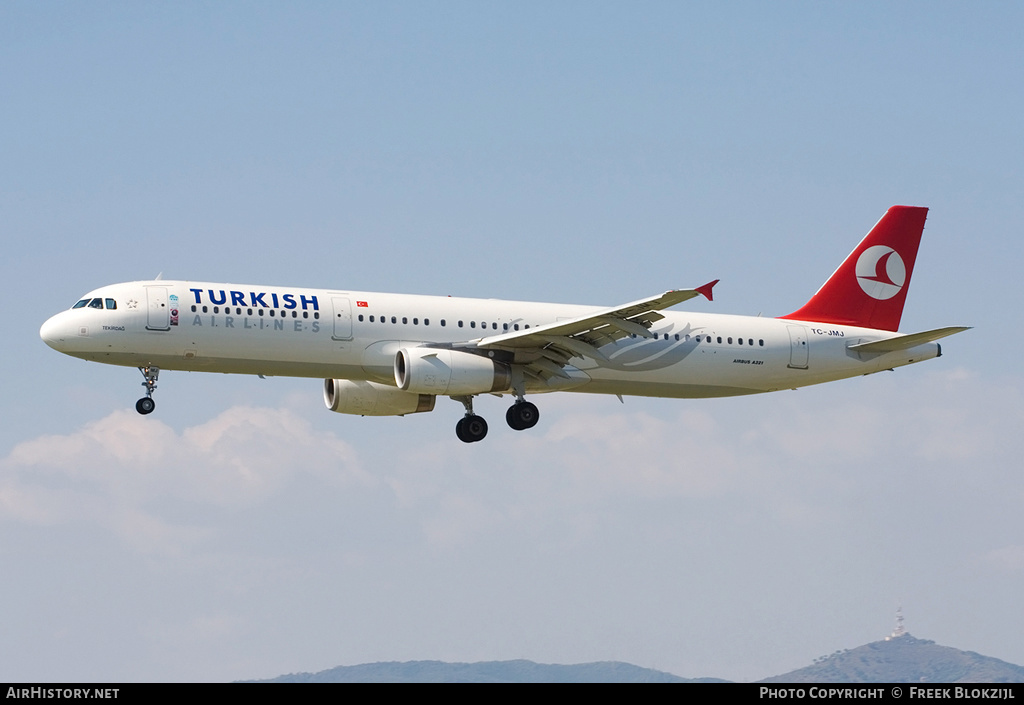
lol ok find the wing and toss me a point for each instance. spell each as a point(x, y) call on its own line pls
point(546, 349)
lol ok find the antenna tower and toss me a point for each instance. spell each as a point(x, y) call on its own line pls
point(900, 630)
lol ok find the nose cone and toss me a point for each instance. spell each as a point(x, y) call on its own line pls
point(54, 332)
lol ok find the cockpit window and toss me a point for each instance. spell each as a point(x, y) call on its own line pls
point(110, 304)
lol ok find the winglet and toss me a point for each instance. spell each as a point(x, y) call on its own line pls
point(706, 289)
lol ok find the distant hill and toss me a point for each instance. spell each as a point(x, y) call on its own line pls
point(487, 672)
point(904, 659)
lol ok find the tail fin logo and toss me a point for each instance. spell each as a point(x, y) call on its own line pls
point(881, 272)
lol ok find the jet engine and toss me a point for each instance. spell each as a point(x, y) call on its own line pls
point(451, 372)
point(371, 399)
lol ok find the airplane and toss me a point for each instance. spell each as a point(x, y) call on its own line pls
point(383, 354)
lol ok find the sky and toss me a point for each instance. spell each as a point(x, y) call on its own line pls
point(581, 152)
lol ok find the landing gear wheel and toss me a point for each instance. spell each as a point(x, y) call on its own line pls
point(145, 405)
point(522, 415)
point(471, 429)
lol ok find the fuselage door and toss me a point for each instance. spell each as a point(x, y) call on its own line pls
point(342, 318)
point(159, 312)
point(798, 352)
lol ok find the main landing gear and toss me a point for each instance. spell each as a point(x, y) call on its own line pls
point(522, 415)
point(145, 405)
point(472, 428)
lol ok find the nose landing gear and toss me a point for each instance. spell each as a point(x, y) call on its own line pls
point(145, 405)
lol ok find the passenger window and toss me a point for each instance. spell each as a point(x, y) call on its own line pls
point(360, 318)
point(761, 342)
point(730, 340)
point(415, 321)
point(750, 341)
point(405, 321)
point(739, 340)
point(426, 321)
point(394, 319)
point(472, 324)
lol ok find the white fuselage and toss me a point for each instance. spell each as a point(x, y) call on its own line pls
point(337, 334)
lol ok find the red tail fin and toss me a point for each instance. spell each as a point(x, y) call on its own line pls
point(870, 286)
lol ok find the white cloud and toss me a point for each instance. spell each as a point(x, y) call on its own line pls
point(797, 459)
point(1008, 559)
point(640, 454)
point(804, 459)
point(122, 470)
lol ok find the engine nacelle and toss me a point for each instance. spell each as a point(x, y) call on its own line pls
point(452, 372)
point(371, 399)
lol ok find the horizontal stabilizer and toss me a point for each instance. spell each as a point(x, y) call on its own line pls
point(905, 342)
